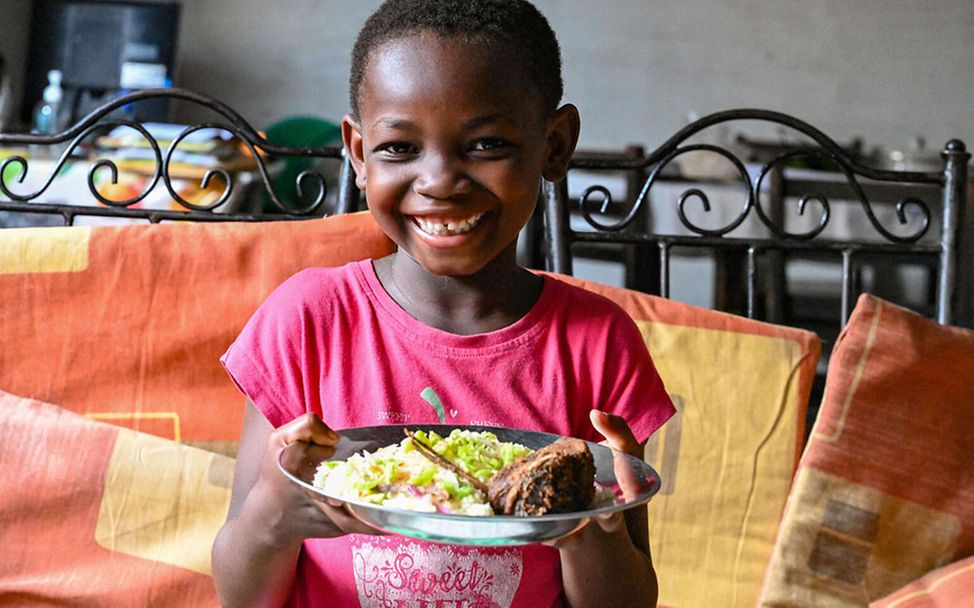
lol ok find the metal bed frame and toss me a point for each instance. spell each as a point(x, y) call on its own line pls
point(629, 227)
point(228, 120)
point(632, 230)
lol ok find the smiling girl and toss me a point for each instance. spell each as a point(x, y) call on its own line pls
point(455, 121)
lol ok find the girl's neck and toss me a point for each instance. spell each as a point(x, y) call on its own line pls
point(495, 297)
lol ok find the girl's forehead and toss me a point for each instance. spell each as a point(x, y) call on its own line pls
point(426, 65)
point(430, 44)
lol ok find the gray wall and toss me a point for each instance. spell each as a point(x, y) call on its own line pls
point(14, 25)
point(886, 70)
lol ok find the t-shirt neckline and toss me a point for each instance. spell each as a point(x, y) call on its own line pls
point(513, 335)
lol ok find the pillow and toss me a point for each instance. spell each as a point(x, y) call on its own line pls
point(126, 324)
point(95, 514)
point(948, 587)
point(727, 457)
point(884, 492)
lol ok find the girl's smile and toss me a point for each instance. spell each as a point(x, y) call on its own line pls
point(447, 226)
point(450, 231)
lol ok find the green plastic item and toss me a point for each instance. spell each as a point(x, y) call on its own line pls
point(302, 132)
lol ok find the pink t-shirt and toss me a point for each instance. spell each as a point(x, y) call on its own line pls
point(332, 341)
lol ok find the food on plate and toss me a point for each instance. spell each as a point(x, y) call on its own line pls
point(558, 478)
point(466, 473)
point(402, 477)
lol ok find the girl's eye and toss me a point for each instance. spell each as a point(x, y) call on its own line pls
point(489, 144)
point(396, 148)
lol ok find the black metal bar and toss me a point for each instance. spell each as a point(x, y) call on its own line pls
point(347, 190)
point(664, 269)
point(140, 214)
point(558, 234)
point(847, 278)
point(955, 181)
point(820, 245)
point(751, 281)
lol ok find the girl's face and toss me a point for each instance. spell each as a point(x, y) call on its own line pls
point(450, 147)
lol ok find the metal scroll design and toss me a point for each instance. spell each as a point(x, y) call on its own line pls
point(102, 163)
point(597, 199)
point(586, 199)
point(235, 124)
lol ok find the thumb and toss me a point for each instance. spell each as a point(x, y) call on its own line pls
point(617, 433)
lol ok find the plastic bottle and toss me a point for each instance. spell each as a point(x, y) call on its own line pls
point(47, 113)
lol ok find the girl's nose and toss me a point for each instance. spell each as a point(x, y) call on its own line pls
point(441, 177)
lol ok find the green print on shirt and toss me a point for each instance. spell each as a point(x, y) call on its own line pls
point(434, 400)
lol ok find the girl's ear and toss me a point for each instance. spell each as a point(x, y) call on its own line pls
point(563, 130)
point(352, 138)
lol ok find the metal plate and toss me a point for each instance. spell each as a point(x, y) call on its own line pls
point(639, 483)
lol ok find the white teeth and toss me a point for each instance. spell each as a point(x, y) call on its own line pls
point(464, 225)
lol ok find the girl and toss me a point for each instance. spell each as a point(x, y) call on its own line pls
point(454, 122)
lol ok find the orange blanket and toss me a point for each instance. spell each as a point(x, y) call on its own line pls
point(126, 324)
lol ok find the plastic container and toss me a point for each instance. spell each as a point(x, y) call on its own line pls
point(48, 114)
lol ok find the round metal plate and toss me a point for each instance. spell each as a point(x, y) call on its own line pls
point(631, 481)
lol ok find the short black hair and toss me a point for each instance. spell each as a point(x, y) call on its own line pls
point(515, 23)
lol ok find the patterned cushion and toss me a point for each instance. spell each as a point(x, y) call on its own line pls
point(884, 492)
point(728, 456)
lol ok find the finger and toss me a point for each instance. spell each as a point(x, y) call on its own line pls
point(308, 428)
point(617, 433)
point(322, 500)
point(316, 453)
point(630, 481)
point(568, 539)
point(611, 522)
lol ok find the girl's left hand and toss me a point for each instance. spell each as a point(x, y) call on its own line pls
point(618, 436)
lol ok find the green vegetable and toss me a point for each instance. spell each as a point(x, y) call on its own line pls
point(364, 486)
point(423, 478)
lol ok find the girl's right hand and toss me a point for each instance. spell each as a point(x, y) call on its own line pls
point(296, 514)
point(256, 552)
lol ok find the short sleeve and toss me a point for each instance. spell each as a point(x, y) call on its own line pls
point(268, 359)
point(633, 387)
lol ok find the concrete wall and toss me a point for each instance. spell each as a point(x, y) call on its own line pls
point(14, 25)
point(885, 70)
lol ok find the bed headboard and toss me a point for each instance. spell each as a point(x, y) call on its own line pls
point(312, 187)
point(914, 215)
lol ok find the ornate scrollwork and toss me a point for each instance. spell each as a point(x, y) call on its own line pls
point(228, 181)
point(822, 200)
point(310, 184)
point(98, 165)
point(850, 175)
point(585, 201)
point(598, 199)
point(702, 196)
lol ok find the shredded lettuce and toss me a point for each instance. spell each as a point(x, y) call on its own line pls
point(398, 475)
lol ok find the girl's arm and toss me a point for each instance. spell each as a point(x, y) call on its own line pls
point(608, 563)
point(255, 553)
